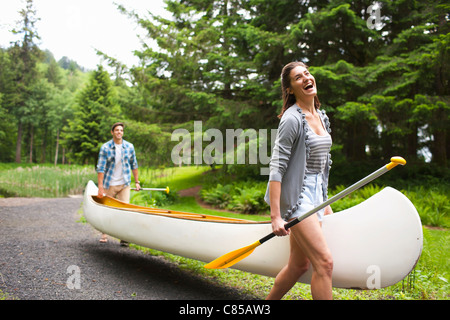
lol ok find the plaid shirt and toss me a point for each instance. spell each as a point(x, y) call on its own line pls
point(106, 161)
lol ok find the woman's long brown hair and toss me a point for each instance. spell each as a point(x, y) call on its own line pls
point(288, 98)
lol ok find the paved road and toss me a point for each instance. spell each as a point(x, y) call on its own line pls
point(45, 250)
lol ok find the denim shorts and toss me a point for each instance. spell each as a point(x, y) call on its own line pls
point(311, 197)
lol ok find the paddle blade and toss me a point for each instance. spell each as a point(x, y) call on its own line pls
point(229, 259)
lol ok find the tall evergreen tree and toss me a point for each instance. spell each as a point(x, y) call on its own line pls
point(95, 110)
point(199, 62)
point(8, 128)
point(24, 54)
point(383, 70)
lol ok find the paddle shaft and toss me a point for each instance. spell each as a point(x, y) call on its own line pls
point(394, 161)
point(153, 189)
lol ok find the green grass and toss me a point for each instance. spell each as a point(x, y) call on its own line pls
point(46, 181)
point(177, 178)
point(6, 296)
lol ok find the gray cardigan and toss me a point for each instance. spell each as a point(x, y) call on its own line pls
point(288, 161)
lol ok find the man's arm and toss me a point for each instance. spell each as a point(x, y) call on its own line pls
point(101, 164)
point(101, 190)
point(136, 179)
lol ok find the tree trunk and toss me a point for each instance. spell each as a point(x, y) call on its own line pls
point(439, 148)
point(31, 143)
point(57, 147)
point(19, 142)
point(412, 143)
point(44, 146)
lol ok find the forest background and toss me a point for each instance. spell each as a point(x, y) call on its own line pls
point(382, 70)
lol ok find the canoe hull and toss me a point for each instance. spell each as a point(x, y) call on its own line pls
point(373, 246)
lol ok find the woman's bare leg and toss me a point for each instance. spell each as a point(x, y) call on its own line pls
point(310, 238)
point(307, 245)
point(288, 276)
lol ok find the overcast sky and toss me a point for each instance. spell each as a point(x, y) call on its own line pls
point(75, 28)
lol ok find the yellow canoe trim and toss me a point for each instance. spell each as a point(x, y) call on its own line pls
point(117, 204)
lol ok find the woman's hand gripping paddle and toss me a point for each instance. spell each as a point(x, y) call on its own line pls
point(233, 257)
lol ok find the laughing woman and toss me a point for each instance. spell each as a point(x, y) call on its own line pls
point(298, 182)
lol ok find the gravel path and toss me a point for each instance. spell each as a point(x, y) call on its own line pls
point(45, 250)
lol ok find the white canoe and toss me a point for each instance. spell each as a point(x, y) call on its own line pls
point(374, 244)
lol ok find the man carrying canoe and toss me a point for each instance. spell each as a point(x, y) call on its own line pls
point(116, 161)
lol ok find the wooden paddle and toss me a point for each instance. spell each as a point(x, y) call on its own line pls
point(233, 257)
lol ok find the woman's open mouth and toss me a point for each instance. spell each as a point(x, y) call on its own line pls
point(309, 86)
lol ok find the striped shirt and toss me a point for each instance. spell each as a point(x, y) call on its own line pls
point(106, 161)
point(319, 147)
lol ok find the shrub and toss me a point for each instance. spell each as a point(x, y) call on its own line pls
point(249, 200)
point(431, 204)
point(244, 197)
point(219, 196)
point(153, 199)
